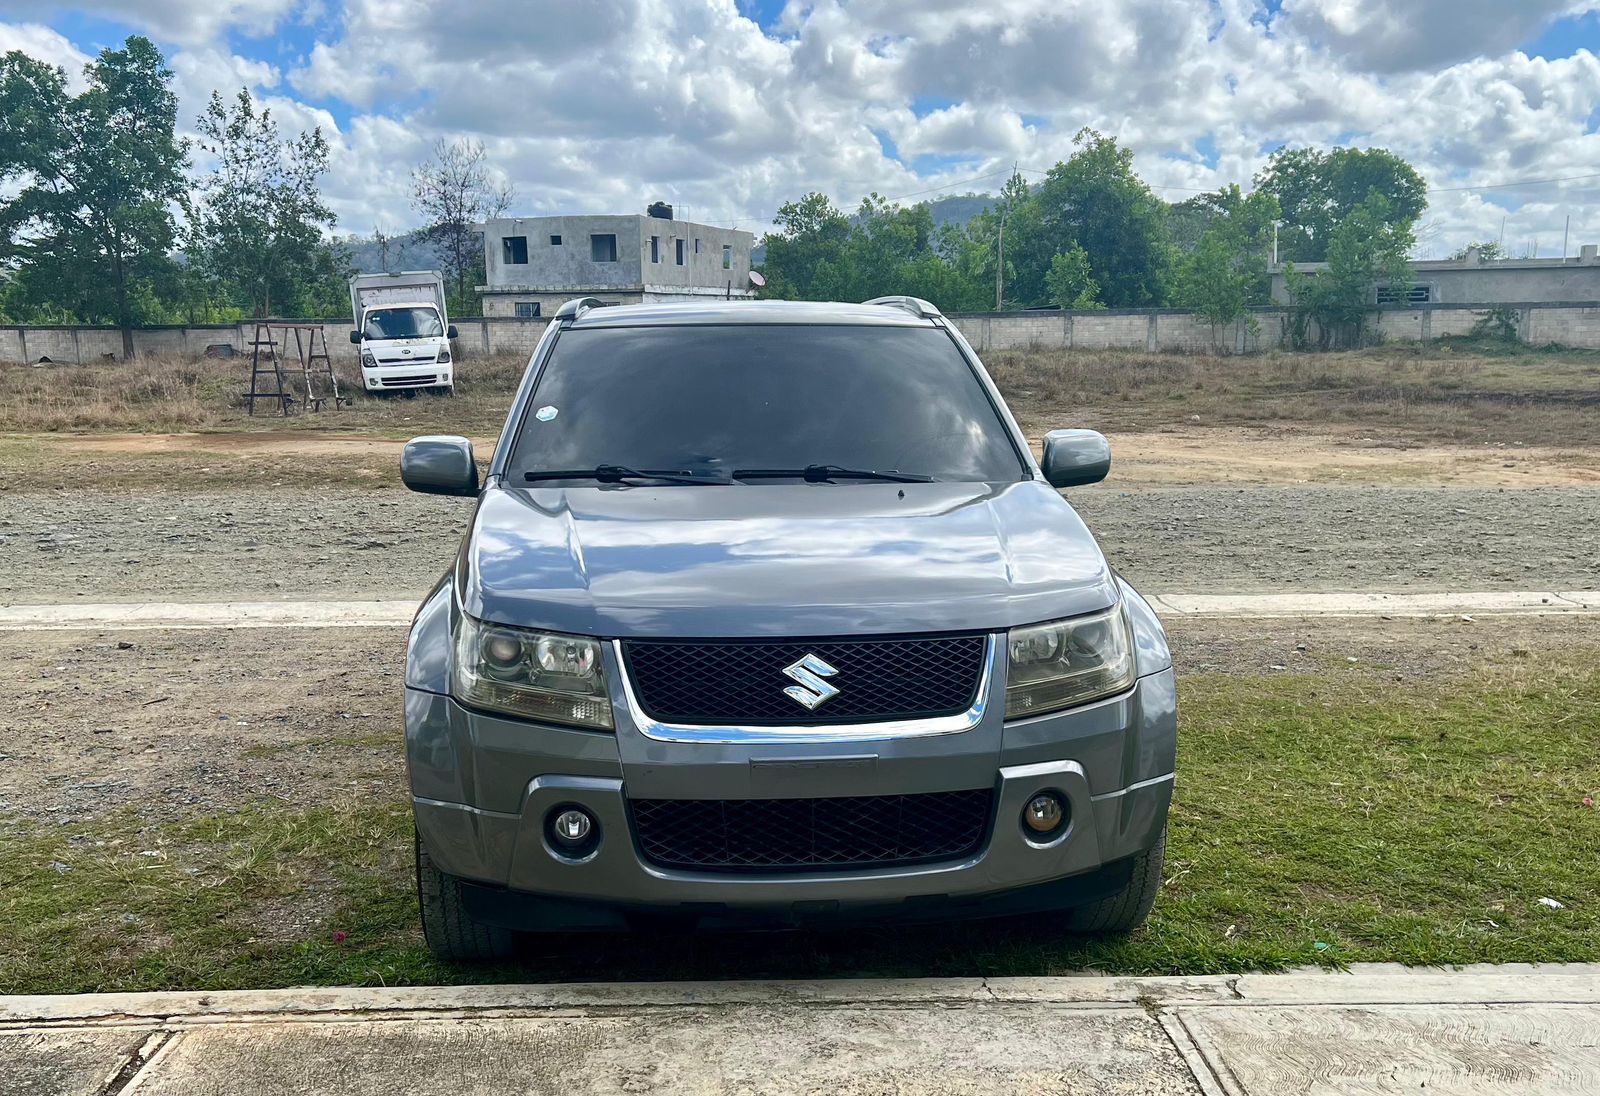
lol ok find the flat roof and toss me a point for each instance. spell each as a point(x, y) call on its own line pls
point(748, 312)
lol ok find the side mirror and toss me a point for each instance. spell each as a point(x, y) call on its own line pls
point(450, 332)
point(355, 336)
point(439, 464)
point(1075, 457)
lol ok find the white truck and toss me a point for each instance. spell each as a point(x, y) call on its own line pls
point(403, 331)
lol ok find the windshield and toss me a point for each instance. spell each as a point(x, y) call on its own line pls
point(402, 323)
point(715, 399)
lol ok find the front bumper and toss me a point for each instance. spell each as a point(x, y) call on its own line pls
point(389, 378)
point(483, 787)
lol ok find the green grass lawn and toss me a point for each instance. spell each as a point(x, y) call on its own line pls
point(1322, 818)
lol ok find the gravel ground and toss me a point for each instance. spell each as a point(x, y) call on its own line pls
point(386, 543)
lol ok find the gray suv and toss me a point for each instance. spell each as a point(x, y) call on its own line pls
point(767, 616)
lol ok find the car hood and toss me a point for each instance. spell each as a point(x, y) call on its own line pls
point(779, 559)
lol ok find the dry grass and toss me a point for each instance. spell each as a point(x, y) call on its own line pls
point(1443, 393)
point(1438, 393)
point(173, 394)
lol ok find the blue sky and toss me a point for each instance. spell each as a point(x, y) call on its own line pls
point(732, 106)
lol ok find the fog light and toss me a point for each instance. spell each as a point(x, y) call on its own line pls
point(572, 827)
point(1044, 813)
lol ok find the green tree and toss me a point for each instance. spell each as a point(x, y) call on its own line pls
point(1369, 247)
point(1488, 252)
point(1071, 281)
point(885, 240)
point(1318, 191)
point(811, 231)
point(95, 180)
point(259, 227)
point(1095, 200)
point(1226, 270)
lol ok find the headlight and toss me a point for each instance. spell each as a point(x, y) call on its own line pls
point(535, 675)
point(367, 358)
point(1067, 662)
point(444, 356)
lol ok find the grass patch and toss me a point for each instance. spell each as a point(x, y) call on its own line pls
point(1321, 818)
point(1479, 393)
point(159, 394)
point(1456, 390)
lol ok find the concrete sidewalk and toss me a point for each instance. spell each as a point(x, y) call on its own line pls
point(1500, 1030)
point(397, 612)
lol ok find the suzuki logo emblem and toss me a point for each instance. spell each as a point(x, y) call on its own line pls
point(813, 691)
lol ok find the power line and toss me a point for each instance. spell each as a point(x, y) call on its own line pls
point(947, 186)
point(1520, 182)
point(1211, 190)
point(1431, 189)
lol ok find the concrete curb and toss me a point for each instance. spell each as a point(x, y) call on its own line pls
point(398, 612)
point(1510, 1029)
point(1364, 984)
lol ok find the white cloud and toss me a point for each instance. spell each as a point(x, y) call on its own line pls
point(186, 22)
point(46, 45)
point(689, 101)
point(1382, 36)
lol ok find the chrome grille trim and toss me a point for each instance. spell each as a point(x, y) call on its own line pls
point(802, 733)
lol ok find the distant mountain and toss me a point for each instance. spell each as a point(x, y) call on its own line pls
point(959, 208)
point(406, 252)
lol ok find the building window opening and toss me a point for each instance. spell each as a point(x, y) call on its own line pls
point(603, 247)
point(527, 310)
point(555, 241)
point(515, 250)
point(683, 251)
point(655, 249)
point(1417, 294)
point(727, 256)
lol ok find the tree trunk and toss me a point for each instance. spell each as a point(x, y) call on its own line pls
point(124, 320)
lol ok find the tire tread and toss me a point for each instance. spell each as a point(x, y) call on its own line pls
point(1128, 909)
point(449, 929)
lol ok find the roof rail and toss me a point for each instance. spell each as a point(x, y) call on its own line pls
point(914, 305)
point(571, 310)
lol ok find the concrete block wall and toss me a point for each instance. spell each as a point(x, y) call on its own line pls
point(1567, 324)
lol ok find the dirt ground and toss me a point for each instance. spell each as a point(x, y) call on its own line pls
point(1170, 456)
point(351, 543)
point(178, 724)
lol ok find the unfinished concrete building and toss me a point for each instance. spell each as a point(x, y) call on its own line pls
point(533, 264)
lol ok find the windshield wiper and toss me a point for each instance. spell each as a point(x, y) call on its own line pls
point(823, 473)
point(617, 473)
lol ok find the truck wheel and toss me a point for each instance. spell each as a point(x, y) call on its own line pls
point(451, 932)
point(1127, 909)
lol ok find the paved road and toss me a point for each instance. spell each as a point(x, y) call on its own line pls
point(364, 544)
point(1377, 1030)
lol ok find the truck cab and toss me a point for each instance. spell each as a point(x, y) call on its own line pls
point(403, 331)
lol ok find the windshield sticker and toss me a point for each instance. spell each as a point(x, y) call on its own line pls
point(546, 413)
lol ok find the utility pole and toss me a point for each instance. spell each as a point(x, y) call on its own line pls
point(1000, 265)
point(1000, 246)
point(1565, 232)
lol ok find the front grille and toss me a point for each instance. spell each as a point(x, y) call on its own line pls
point(742, 681)
point(408, 382)
point(810, 834)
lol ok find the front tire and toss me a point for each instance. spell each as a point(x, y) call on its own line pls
point(1126, 910)
point(449, 929)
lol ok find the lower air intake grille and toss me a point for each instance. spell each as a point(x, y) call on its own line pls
point(810, 834)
